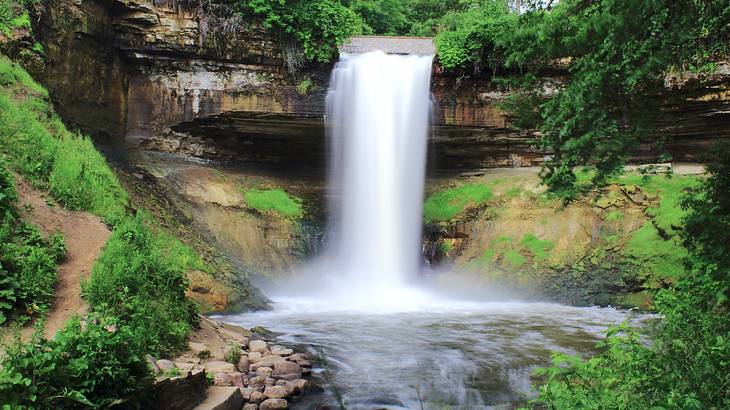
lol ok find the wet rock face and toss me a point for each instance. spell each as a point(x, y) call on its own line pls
point(180, 83)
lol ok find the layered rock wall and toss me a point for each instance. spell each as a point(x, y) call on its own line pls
point(175, 81)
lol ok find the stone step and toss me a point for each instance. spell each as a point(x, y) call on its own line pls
point(222, 398)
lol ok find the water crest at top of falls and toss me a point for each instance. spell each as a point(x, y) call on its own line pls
point(378, 114)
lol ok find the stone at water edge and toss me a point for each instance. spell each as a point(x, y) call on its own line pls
point(287, 370)
point(257, 346)
point(281, 350)
point(250, 406)
point(274, 404)
point(268, 361)
point(276, 392)
point(219, 366)
point(297, 386)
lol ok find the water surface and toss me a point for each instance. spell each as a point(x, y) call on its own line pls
point(460, 355)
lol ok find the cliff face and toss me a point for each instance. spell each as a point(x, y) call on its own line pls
point(166, 79)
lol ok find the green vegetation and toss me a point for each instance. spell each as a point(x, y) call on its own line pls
point(95, 363)
point(27, 260)
point(233, 354)
point(274, 200)
point(140, 279)
point(43, 150)
point(539, 248)
point(316, 26)
point(445, 205)
point(686, 364)
point(13, 16)
point(305, 86)
point(136, 289)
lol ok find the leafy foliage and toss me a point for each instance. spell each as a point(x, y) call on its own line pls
point(140, 279)
point(97, 363)
point(27, 260)
point(687, 365)
point(317, 26)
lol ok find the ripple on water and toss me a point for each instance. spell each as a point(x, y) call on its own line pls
point(466, 356)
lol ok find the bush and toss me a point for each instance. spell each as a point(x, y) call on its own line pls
point(96, 363)
point(140, 278)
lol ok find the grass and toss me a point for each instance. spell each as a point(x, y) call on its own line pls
point(38, 145)
point(656, 257)
point(540, 249)
point(445, 205)
point(274, 200)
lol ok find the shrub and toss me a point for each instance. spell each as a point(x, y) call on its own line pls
point(96, 363)
point(140, 278)
point(233, 354)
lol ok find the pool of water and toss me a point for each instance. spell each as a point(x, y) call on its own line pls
point(455, 355)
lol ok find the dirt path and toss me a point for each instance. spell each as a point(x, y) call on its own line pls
point(85, 236)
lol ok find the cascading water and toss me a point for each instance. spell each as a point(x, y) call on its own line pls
point(388, 342)
point(378, 111)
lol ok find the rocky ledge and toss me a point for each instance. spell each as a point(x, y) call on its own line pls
point(228, 367)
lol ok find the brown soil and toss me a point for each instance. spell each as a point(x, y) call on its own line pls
point(85, 236)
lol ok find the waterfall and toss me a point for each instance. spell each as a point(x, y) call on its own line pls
point(378, 112)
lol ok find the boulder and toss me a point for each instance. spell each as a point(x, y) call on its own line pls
point(256, 397)
point(268, 361)
point(276, 392)
point(297, 386)
point(152, 363)
point(219, 366)
point(287, 371)
point(243, 364)
point(257, 381)
point(250, 406)
point(199, 349)
point(254, 357)
point(239, 379)
point(273, 404)
point(222, 379)
point(264, 371)
point(259, 346)
point(165, 365)
point(281, 350)
point(246, 392)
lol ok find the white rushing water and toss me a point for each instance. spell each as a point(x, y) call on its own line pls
point(378, 114)
point(383, 339)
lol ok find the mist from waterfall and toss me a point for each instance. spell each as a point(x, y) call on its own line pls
point(378, 111)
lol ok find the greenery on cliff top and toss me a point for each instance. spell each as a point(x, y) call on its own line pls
point(137, 287)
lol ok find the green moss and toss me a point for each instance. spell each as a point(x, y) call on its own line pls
point(447, 204)
point(540, 249)
point(514, 258)
point(655, 256)
point(668, 213)
point(614, 216)
point(274, 200)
